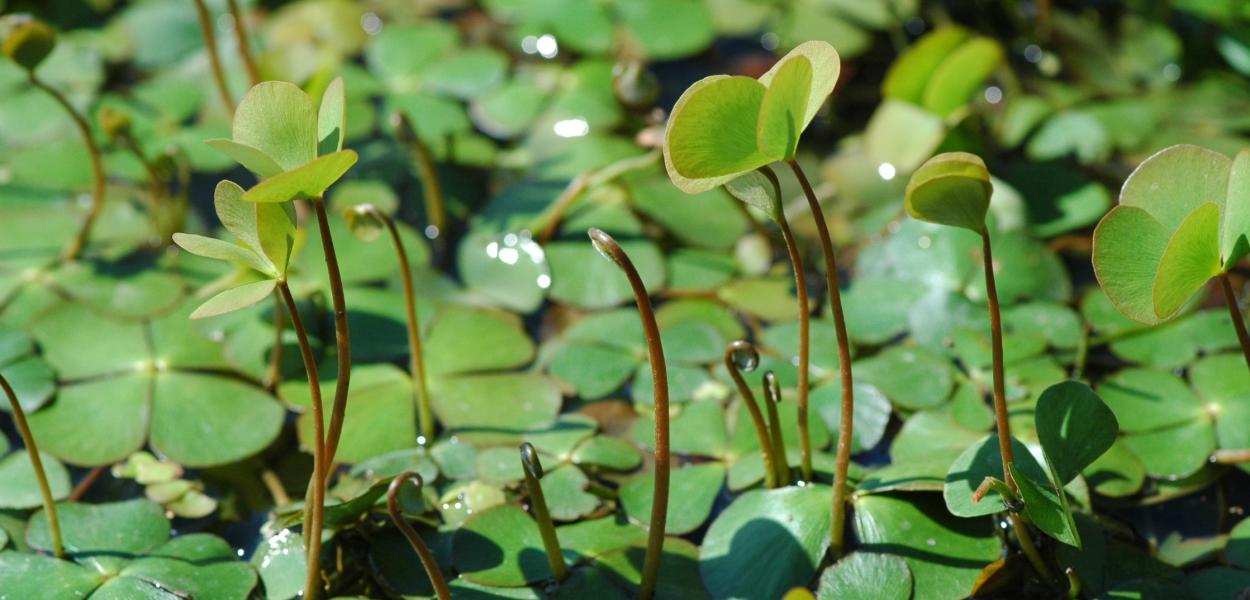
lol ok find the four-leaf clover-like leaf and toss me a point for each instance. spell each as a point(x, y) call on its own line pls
point(1183, 218)
point(725, 126)
point(264, 237)
point(278, 134)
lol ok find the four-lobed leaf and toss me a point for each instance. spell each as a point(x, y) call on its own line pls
point(1182, 219)
point(723, 127)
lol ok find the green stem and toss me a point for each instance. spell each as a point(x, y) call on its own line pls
point(659, 377)
point(847, 413)
point(432, 190)
point(32, 450)
point(423, 551)
point(274, 376)
point(740, 356)
point(342, 336)
point(1234, 312)
point(416, 360)
point(772, 397)
point(97, 168)
point(240, 36)
point(805, 313)
point(210, 47)
point(533, 469)
point(314, 510)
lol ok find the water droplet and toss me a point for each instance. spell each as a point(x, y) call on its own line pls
point(1172, 72)
point(371, 23)
point(886, 171)
point(924, 242)
point(576, 127)
point(769, 40)
point(993, 94)
point(431, 231)
point(745, 358)
point(546, 46)
point(1033, 53)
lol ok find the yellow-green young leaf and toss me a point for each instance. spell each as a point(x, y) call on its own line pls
point(252, 159)
point(1175, 181)
point(711, 134)
point(783, 108)
point(220, 250)
point(910, 74)
point(237, 215)
point(275, 228)
point(308, 181)
point(235, 299)
point(1191, 259)
point(757, 190)
point(1235, 216)
point(961, 75)
point(1047, 508)
point(278, 119)
point(826, 67)
point(953, 189)
point(1128, 245)
point(332, 118)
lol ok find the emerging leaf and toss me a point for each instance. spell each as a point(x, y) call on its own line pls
point(214, 248)
point(756, 189)
point(1191, 259)
point(953, 189)
point(252, 159)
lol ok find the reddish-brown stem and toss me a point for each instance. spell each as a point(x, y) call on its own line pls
point(753, 408)
point(210, 46)
point(423, 552)
point(1234, 312)
point(843, 458)
point(805, 313)
point(97, 168)
point(996, 353)
point(313, 510)
point(245, 48)
point(341, 334)
point(416, 361)
point(772, 397)
point(1003, 425)
point(85, 484)
point(32, 450)
point(659, 377)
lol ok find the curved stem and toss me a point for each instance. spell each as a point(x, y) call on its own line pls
point(659, 376)
point(1026, 544)
point(314, 511)
point(805, 313)
point(772, 397)
point(538, 503)
point(423, 551)
point(838, 526)
point(748, 399)
point(97, 168)
point(1234, 312)
point(156, 190)
point(416, 360)
point(341, 334)
point(240, 36)
point(32, 450)
point(210, 46)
